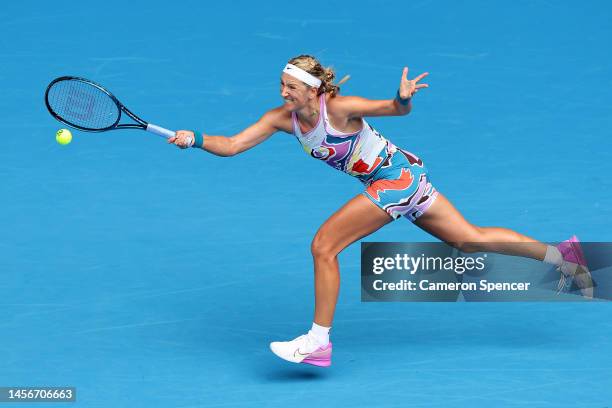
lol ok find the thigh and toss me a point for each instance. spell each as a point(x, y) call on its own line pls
point(356, 219)
point(443, 221)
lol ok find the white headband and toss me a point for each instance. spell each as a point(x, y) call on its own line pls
point(302, 75)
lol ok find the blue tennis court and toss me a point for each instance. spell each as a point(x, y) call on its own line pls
point(148, 276)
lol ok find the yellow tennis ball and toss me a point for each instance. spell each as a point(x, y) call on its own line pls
point(63, 136)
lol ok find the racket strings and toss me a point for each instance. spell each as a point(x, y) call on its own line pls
point(83, 105)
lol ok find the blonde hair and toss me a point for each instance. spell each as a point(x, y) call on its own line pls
point(326, 74)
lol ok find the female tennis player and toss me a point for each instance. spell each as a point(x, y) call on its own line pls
point(332, 128)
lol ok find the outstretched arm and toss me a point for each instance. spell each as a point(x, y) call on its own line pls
point(355, 106)
point(266, 126)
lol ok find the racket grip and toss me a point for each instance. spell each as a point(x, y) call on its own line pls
point(158, 130)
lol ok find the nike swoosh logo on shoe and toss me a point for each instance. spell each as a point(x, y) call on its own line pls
point(301, 354)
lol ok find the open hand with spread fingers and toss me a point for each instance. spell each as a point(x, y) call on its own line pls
point(409, 87)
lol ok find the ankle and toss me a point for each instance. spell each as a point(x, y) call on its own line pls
point(320, 334)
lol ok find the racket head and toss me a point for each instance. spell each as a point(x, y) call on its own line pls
point(82, 104)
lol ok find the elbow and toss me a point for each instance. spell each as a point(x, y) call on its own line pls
point(232, 148)
point(227, 153)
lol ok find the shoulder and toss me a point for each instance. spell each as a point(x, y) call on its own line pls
point(280, 118)
point(342, 105)
point(337, 102)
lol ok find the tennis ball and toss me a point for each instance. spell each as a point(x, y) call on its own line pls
point(63, 136)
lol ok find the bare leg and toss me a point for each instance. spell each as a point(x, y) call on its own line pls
point(356, 219)
point(443, 221)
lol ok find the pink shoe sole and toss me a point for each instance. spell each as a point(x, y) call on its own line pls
point(318, 363)
point(321, 357)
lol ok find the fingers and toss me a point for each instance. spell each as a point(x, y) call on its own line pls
point(183, 139)
point(418, 87)
point(423, 75)
point(405, 74)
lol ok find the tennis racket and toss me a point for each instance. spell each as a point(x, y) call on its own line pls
point(84, 105)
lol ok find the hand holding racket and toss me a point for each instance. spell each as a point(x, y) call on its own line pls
point(85, 105)
point(183, 139)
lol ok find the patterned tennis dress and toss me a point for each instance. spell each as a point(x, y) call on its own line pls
point(395, 180)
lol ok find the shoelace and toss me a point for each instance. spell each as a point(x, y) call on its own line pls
point(565, 281)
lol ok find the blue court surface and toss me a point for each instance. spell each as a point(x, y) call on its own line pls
point(148, 276)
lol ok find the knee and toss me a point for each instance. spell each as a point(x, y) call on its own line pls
point(472, 241)
point(466, 247)
point(322, 248)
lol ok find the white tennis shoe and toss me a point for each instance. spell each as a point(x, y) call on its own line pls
point(303, 349)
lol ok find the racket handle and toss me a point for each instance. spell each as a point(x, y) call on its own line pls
point(158, 130)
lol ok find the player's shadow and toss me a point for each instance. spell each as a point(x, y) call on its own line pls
point(296, 374)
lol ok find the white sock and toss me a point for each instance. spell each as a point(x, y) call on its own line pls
point(553, 256)
point(320, 334)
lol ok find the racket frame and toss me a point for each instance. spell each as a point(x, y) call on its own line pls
point(141, 124)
